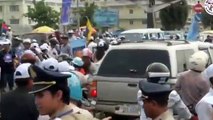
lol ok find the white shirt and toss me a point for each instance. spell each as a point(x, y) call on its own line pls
point(204, 107)
point(174, 103)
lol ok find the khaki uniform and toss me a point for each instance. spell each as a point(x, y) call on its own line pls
point(165, 116)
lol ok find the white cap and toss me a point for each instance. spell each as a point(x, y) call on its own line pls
point(6, 42)
point(22, 71)
point(34, 45)
point(50, 64)
point(70, 31)
point(44, 47)
point(29, 51)
point(34, 40)
point(64, 66)
point(27, 40)
point(78, 61)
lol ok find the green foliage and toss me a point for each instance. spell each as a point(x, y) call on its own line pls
point(87, 11)
point(207, 20)
point(174, 16)
point(43, 14)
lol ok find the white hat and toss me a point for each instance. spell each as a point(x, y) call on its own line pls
point(78, 61)
point(6, 42)
point(209, 71)
point(87, 52)
point(70, 31)
point(27, 40)
point(50, 64)
point(22, 71)
point(34, 45)
point(64, 66)
point(44, 47)
point(29, 51)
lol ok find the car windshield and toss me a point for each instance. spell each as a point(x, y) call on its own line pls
point(131, 63)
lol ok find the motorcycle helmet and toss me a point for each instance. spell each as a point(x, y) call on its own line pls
point(198, 61)
point(157, 73)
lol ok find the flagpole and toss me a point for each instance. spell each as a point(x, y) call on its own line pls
point(78, 17)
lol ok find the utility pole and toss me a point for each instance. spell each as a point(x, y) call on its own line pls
point(150, 15)
point(78, 15)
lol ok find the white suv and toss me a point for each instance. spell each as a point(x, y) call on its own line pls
point(123, 66)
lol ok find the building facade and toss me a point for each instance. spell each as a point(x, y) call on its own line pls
point(13, 13)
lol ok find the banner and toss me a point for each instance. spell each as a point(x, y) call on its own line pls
point(77, 44)
point(194, 29)
point(106, 17)
point(65, 12)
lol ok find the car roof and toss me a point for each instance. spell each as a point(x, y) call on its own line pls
point(164, 45)
point(148, 30)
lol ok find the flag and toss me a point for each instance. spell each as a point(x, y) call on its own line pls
point(65, 12)
point(194, 30)
point(89, 29)
point(4, 27)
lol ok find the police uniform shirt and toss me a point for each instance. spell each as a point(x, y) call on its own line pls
point(174, 103)
point(204, 108)
point(165, 116)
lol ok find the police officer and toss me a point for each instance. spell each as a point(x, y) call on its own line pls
point(155, 100)
point(18, 104)
point(159, 73)
point(52, 95)
point(204, 107)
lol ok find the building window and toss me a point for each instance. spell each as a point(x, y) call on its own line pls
point(14, 8)
point(131, 22)
point(1, 8)
point(131, 11)
point(14, 21)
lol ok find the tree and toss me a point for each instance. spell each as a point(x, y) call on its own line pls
point(87, 11)
point(207, 20)
point(43, 14)
point(174, 16)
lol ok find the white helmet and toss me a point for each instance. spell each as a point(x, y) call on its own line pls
point(198, 61)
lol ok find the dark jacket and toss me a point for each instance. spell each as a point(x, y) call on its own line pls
point(18, 105)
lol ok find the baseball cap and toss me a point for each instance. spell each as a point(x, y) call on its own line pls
point(27, 40)
point(34, 45)
point(78, 61)
point(22, 71)
point(64, 66)
point(50, 64)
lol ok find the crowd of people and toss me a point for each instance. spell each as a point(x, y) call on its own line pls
point(49, 72)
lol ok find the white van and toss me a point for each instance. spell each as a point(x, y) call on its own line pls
point(143, 34)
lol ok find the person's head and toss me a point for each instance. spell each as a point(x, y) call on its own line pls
point(28, 57)
point(50, 89)
point(198, 61)
point(9, 28)
point(70, 33)
point(78, 53)
point(64, 39)
point(53, 42)
point(157, 73)
point(44, 48)
point(6, 45)
point(50, 64)
point(22, 76)
point(208, 36)
point(27, 44)
point(155, 98)
point(77, 62)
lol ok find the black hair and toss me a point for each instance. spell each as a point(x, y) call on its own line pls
point(22, 82)
point(76, 66)
point(161, 99)
point(64, 88)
